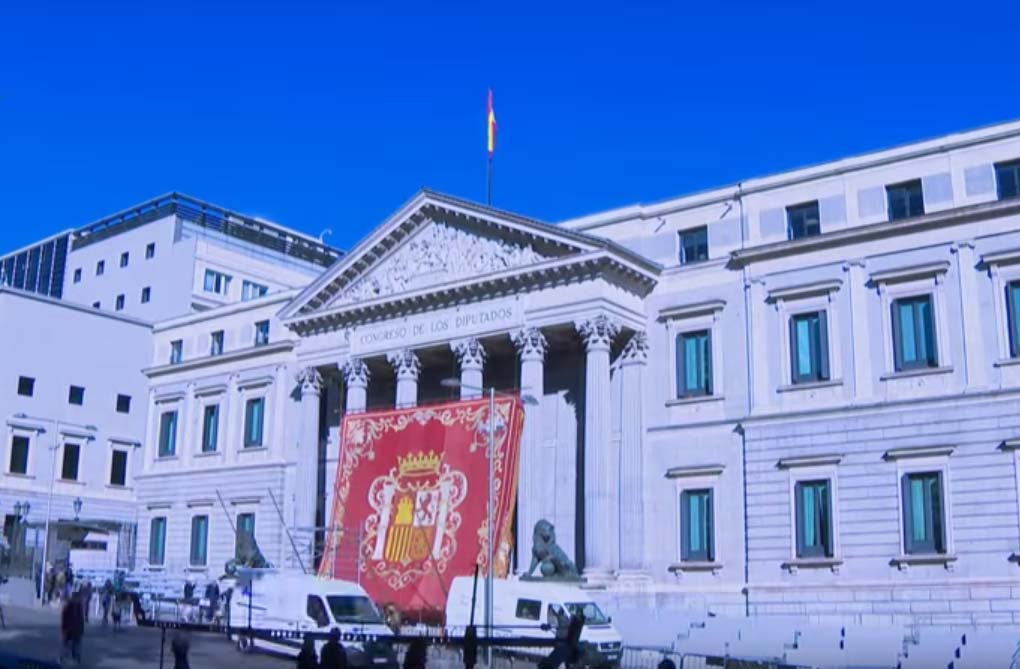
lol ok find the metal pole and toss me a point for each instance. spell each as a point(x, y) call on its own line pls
point(49, 509)
point(492, 548)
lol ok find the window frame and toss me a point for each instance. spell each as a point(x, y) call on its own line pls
point(118, 303)
point(251, 290)
point(114, 452)
point(127, 403)
point(682, 248)
point(803, 207)
point(522, 606)
point(76, 276)
point(170, 429)
point(219, 281)
point(197, 520)
point(1012, 166)
point(125, 258)
point(146, 295)
point(161, 522)
point(71, 395)
point(247, 441)
point(238, 524)
point(11, 452)
point(894, 287)
point(937, 536)
point(706, 555)
point(901, 187)
point(698, 477)
point(259, 340)
point(818, 347)
point(827, 548)
point(100, 267)
point(150, 250)
point(930, 329)
point(215, 431)
point(30, 381)
point(66, 448)
point(922, 460)
point(176, 351)
point(216, 343)
point(680, 364)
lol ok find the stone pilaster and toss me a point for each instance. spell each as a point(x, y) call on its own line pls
point(408, 368)
point(970, 326)
point(758, 365)
point(531, 347)
point(600, 491)
point(633, 360)
point(306, 484)
point(861, 343)
point(471, 356)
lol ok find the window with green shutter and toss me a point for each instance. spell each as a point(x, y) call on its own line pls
point(245, 528)
point(1013, 316)
point(157, 540)
point(913, 325)
point(167, 434)
point(813, 510)
point(696, 526)
point(199, 540)
point(694, 364)
point(254, 417)
point(19, 455)
point(210, 427)
point(923, 513)
point(809, 347)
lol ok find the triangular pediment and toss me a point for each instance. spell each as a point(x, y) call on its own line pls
point(435, 242)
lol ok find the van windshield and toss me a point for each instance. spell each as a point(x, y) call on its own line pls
point(590, 610)
point(353, 609)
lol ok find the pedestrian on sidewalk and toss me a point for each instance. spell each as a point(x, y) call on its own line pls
point(307, 659)
point(72, 628)
point(333, 655)
point(417, 655)
point(106, 600)
point(86, 599)
point(59, 583)
point(180, 646)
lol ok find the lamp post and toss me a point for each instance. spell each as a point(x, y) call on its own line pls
point(77, 507)
point(530, 400)
point(53, 474)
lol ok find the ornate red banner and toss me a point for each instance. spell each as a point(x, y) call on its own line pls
point(411, 498)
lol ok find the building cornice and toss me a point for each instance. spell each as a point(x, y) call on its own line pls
point(65, 304)
point(222, 359)
point(693, 309)
point(224, 310)
point(863, 233)
point(910, 272)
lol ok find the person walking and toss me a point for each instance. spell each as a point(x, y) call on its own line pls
point(180, 646)
point(212, 594)
point(59, 584)
point(417, 655)
point(307, 659)
point(333, 655)
point(106, 600)
point(51, 582)
point(86, 599)
point(72, 628)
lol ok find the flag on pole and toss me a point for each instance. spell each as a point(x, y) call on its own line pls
point(490, 120)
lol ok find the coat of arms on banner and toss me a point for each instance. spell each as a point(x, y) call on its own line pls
point(412, 530)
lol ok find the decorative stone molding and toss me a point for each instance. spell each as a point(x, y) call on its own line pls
point(405, 363)
point(530, 342)
point(597, 332)
point(310, 380)
point(636, 350)
point(438, 254)
point(355, 372)
point(470, 353)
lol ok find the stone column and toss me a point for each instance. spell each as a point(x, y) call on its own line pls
point(188, 423)
point(234, 414)
point(633, 360)
point(408, 367)
point(861, 343)
point(306, 483)
point(356, 375)
point(531, 346)
point(600, 491)
point(970, 325)
point(471, 356)
point(760, 352)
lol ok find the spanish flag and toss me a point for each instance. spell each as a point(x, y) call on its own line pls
point(491, 123)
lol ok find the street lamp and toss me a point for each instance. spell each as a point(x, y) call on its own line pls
point(53, 475)
point(77, 508)
point(453, 382)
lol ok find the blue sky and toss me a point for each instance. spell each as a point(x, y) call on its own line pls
point(331, 114)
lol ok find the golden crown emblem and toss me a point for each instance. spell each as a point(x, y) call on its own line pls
point(419, 464)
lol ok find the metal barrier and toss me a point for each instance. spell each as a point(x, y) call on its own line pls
point(643, 657)
point(8, 661)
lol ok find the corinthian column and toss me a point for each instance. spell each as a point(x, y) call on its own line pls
point(356, 375)
point(531, 347)
point(307, 468)
point(633, 361)
point(408, 368)
point(600, 493)
point(471, 356)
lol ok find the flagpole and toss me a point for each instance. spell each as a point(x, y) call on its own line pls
point(488, 184)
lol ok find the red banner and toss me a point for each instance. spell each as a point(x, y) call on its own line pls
point(411, 494)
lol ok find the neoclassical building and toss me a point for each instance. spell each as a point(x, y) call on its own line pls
point(797, 395)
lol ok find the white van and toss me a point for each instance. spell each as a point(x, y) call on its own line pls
point(270, 600)
point(521, 608)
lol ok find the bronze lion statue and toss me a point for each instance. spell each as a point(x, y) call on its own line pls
point(546, 554)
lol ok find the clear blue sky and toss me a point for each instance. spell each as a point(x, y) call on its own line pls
point(332, 114)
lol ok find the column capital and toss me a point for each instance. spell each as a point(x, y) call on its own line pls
point(310, 380)
point(597, 332)
point(636, 349)
point(355, 372)
point(530, 343)
point(470, 353)
point(405, 363)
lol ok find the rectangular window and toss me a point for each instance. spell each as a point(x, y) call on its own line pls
point(696, 526)
point(100, 267)
point(809, 347)
point(118, 468)
point(802, 220)
point(157, 541)
point(923, 520)
point(119, 304)
point(905, 200)
point(123, 404)
point(76, 395)
point(1007, 179)
point(77, 275)
point(262, 333)
point(254, 410)
point(245, 530)
point(1013, 316)
point(124, 259)
point(694, 364)
point(176, 351)
point(146, 294)
point(914, 344)
point(814, 519)
point(69, 466)
point(529, 609)
point(199, 540)
point(210, 427)
point(216, 282)
point(216, 344)
point(150, 250)
point(19, 455)
point(26, 386)
point(167, 434)
point(694, 245)
point(251, 290)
